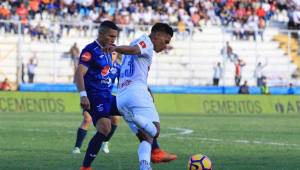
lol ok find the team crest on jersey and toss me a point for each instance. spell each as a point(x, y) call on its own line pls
point(86, 56)
point(105, 70)
point(143, 44)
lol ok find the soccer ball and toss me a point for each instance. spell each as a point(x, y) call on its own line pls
point(199, 162)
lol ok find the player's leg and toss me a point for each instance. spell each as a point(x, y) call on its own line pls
point(143, 118)
point(100, 108)
point(82, 131)
point(137, 126)
point(115, 119)
point(157, 154)
point(114, 125)
point(144, 150)
point(103, 128)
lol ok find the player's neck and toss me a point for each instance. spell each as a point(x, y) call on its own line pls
point(99, 43)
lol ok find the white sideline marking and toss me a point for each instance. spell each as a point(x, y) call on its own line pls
point(181, 131)
point(239, 141)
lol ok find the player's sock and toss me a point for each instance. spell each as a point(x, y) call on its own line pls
point(144, 152)
point(81, 133)
point(155, 144)
point(93, 149)
point(111, 133)
point(144, 165)
point(145, 125)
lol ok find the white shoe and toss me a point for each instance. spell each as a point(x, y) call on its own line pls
point(104, 147)
point(76, 150)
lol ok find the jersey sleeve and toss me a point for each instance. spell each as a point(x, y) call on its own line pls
point(85, 57)
point(145, 47)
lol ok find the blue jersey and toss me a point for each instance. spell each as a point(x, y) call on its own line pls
point(97, 79)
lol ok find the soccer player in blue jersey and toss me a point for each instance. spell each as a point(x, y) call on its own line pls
point(87, 119)
point(157, 155)
point(94, 84)
point(133, 98)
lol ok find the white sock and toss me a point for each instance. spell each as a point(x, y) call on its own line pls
point(144, 151)
point(145, 125)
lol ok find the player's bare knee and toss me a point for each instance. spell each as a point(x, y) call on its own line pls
point(103, 126)
point(115, 120)
point(142, 136)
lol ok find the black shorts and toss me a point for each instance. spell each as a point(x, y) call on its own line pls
point(102, 107)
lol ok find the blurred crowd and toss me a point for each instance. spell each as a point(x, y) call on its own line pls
point(48, 19)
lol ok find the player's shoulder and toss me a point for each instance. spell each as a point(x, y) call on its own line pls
point(145, 38)
point(91, 46)
point(144, 42)
point(87, 52)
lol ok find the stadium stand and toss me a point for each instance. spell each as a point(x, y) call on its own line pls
point(189, 62)
point(202, 28)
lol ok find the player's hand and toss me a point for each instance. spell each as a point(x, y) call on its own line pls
point(85, 103)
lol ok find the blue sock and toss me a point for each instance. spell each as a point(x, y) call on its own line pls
point(155, 144)
point(81, 133)
point(93, 149)
point(111, 133)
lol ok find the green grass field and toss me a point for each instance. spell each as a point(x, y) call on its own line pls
point(41, 141)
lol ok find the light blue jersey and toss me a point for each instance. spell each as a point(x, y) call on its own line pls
point(135, 68)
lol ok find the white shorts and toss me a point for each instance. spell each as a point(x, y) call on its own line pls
point(136, 100)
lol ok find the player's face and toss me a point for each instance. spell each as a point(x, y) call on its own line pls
point(161, 41)
point(109, 37)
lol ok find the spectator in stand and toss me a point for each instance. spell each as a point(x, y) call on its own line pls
point(22, 72)
point(33, 8)
point(74, 54)
point(4, 14)
point(258, 73)
point(244, 89)
point(192, 13)
point(238, 71)
point(181, 30)
point(22, 12)
point(238, 31)
point(5, 85)
point(261, 28)
point(291, 89)
point(252, 26)
point(31, 66)
point(218, 72)
point(265, 88)
point(227, 51)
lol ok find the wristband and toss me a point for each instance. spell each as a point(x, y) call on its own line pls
point(82, 93)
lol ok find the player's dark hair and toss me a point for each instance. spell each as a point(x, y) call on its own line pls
point(105, 25)
point(162, 27)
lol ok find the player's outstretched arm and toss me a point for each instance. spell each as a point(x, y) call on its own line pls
point(124, 49)
point(79, 74)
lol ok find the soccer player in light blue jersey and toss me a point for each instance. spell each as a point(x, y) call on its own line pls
point(133, 98)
